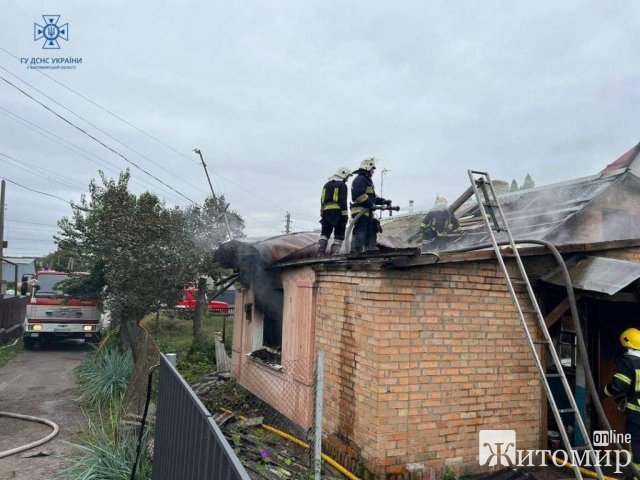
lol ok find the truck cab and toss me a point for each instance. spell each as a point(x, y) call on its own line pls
point(52, 316)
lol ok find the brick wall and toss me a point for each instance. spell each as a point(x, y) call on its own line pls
point(419, 360)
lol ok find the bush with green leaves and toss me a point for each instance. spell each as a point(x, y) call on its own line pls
point(107, 449)
point(103, 375)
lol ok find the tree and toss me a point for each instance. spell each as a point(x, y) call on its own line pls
point(528, 183)
point(209, 226)
point(514, 186)
point(139, 252)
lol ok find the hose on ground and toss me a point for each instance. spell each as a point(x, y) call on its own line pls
point(31, 445)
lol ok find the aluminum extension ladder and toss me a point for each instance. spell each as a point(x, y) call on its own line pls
point(495, 221)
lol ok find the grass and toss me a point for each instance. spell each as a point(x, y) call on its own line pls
point(175, 335)
point(8, 352)
point(107, 448)
point(102, 376)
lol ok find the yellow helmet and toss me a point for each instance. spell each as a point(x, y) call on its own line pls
point(630, 338)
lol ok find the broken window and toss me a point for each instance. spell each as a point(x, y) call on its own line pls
point(267, 326)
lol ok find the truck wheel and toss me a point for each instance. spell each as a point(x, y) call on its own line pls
point(29, 343)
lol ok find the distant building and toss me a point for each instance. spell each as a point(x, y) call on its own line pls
point(24, 265)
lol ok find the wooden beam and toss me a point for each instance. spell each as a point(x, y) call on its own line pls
point(560, 310)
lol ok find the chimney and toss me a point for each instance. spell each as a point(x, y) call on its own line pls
point(500, 186)
point(411, 207)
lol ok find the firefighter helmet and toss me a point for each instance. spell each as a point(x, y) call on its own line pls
point(440, 202)
point(368, 163)
point(630, 338)
point(341, 174)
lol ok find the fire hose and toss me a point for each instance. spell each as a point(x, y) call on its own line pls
point(32, 444)
point(582, 349)
point(354, 220)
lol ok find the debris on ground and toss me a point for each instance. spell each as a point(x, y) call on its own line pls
point(241, 416)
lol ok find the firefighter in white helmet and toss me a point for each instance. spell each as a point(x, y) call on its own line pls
point(364, 198)
point(625, 385)
point(334, 211)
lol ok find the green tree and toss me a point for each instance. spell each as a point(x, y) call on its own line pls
point(514, 186)
point(139, 252)
point(528, 183)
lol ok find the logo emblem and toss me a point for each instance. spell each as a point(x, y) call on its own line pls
point(51, 32)
point(497, 447)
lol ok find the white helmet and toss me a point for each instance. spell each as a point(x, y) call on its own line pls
point(441, 202)
point(368, 163)
point(341, 174)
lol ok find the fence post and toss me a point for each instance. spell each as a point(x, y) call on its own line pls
point(319, 399)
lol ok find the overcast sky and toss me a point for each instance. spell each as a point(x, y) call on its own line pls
point(279, 94)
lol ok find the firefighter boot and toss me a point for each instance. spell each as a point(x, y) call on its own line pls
point(322, 246)
point(335, 247)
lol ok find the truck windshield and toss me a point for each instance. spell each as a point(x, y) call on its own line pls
point(47, 284)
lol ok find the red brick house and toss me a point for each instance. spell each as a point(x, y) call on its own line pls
point(422, 351)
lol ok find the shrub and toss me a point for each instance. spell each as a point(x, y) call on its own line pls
point(102, 376)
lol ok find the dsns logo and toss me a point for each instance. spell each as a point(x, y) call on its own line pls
point(51, 32)
point(497, 447)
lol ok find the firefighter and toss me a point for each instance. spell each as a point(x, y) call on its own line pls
point(334, 211)
point(438, 222)
point(625, 383)
point(364, 198)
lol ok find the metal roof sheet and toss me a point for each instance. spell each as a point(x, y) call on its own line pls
point(596, 274)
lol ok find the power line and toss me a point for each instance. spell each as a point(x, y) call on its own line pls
point(106, 110)
point(101, 162)
point(95, 139)
point(252, 192)
point(101, 130)
point(36, 191)
point(21, 164)
point(31, 223)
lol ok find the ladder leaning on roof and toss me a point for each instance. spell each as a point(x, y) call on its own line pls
point(495, 221)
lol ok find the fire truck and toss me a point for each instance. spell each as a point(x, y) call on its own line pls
point(52, 316)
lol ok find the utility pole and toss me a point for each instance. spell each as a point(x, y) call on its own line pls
point(2, 186)
point(287, 224)
point(224, 213)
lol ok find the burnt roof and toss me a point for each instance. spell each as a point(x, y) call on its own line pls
point(537, 213)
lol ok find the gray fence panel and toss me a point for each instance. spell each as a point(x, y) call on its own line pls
point(188, 443)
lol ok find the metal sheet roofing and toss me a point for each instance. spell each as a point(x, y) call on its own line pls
point(596, 274)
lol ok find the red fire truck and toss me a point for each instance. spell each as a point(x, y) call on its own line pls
point(53, 316)
point(187, 302)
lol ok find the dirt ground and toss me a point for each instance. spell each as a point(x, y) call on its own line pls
point(39, 383)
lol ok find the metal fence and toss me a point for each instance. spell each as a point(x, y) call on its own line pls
point(12, 311)
point(188, 443)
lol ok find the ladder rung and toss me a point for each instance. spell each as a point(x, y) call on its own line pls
point(529, 310)
point(553, 375)
point(566, 410)
point(518, 282)
point(540, 342)
point(491, 204)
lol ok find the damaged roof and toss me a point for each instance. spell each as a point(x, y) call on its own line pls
point(552, 212)
point(267, 250)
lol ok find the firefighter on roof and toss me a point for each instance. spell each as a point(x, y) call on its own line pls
point(364, 198)
point(438, 221)
point(334, 211)
point(626, 384)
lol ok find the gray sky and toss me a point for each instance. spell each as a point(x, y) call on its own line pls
point(278, 94)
